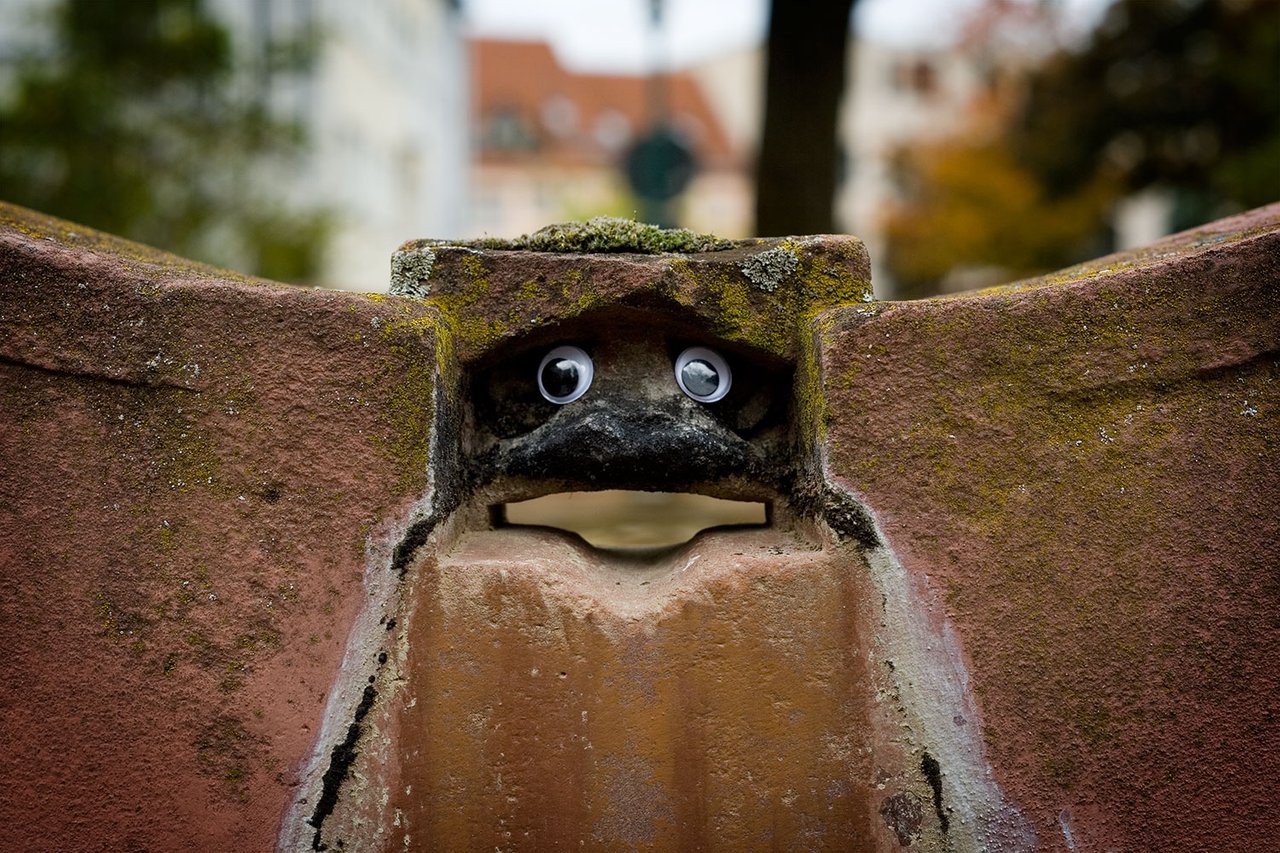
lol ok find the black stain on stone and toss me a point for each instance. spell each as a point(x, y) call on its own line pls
point(448, 485)
point(841, 511)
point(933, 772)
point(628, 444)
point(448, 490)
point(340, 761)
point(414, 538)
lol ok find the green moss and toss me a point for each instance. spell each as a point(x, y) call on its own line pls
point(183, 454)
point(532, 290)
point(761, 299)
point(409, 412)
point(578, 292)
point(227, 751)
point(772, 310)
point(119, 622)
point(608, 234)
point(262, 638)
point(812, 398)
point(735, 312)
point(457, 308)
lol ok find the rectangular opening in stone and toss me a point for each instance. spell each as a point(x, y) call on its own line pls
point(625, 519)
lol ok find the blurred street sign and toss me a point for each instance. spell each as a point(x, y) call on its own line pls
point(659, 165)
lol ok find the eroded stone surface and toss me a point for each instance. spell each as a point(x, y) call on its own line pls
point(618, 705)
point(221, 546)
point(1081, 474)
point(491, 296)
point(192, 467)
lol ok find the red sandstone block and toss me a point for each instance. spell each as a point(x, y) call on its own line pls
point(1018, 592)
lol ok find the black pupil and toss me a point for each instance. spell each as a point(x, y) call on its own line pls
point(701, 378)
point(560, 377)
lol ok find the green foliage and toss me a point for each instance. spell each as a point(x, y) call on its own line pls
point(1178, 94)
point(139, 122)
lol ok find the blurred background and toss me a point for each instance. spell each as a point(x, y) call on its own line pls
point(969, 142)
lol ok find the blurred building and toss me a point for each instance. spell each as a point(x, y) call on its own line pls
point(384, 106)
point(896, 97)
point(549, 143)
point(899, 97)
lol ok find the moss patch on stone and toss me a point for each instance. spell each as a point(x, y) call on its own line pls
point(608, 234)
point(768, 304)
point(411, 272)
point(410, 408)
point(767, 269)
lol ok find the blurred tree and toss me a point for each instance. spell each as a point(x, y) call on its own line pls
point(135, 122)
point(1176, 94)
point(975, 214)
point(796, 169)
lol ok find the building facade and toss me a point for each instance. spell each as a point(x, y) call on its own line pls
point(384, 107)
point(550, 143)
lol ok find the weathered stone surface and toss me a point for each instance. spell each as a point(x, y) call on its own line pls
point(1081, 476)
point(491, 296)
point(192, 466)
point(610, 704)
point(1020, 590)
point(454, 650)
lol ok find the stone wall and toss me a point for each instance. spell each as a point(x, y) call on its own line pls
point(1019, 590)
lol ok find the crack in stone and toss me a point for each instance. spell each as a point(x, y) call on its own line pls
point(340, 761)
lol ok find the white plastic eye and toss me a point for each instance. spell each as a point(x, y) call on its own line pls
point(565, 374)
point(703, 374)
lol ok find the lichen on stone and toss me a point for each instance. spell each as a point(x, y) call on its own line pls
point(608, 234)
point(411, 272)
point(767, 269)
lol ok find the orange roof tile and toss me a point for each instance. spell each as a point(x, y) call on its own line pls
point(528, 107)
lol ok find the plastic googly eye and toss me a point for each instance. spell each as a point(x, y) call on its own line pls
point(565, 374)
point(703, 374)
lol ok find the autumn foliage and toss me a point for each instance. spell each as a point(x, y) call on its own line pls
point(1178, 95)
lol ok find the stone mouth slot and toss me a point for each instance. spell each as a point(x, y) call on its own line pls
point(632, 521)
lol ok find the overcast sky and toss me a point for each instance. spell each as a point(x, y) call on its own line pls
point(612, 35)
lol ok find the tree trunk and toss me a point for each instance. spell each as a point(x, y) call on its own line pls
point(797, 163)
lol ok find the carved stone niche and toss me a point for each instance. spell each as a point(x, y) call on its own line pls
point(538, 692)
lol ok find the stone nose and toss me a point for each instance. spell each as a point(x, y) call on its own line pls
point(660, 441)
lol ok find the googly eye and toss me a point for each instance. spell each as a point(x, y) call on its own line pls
point(565, 374)
point(703, 374)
